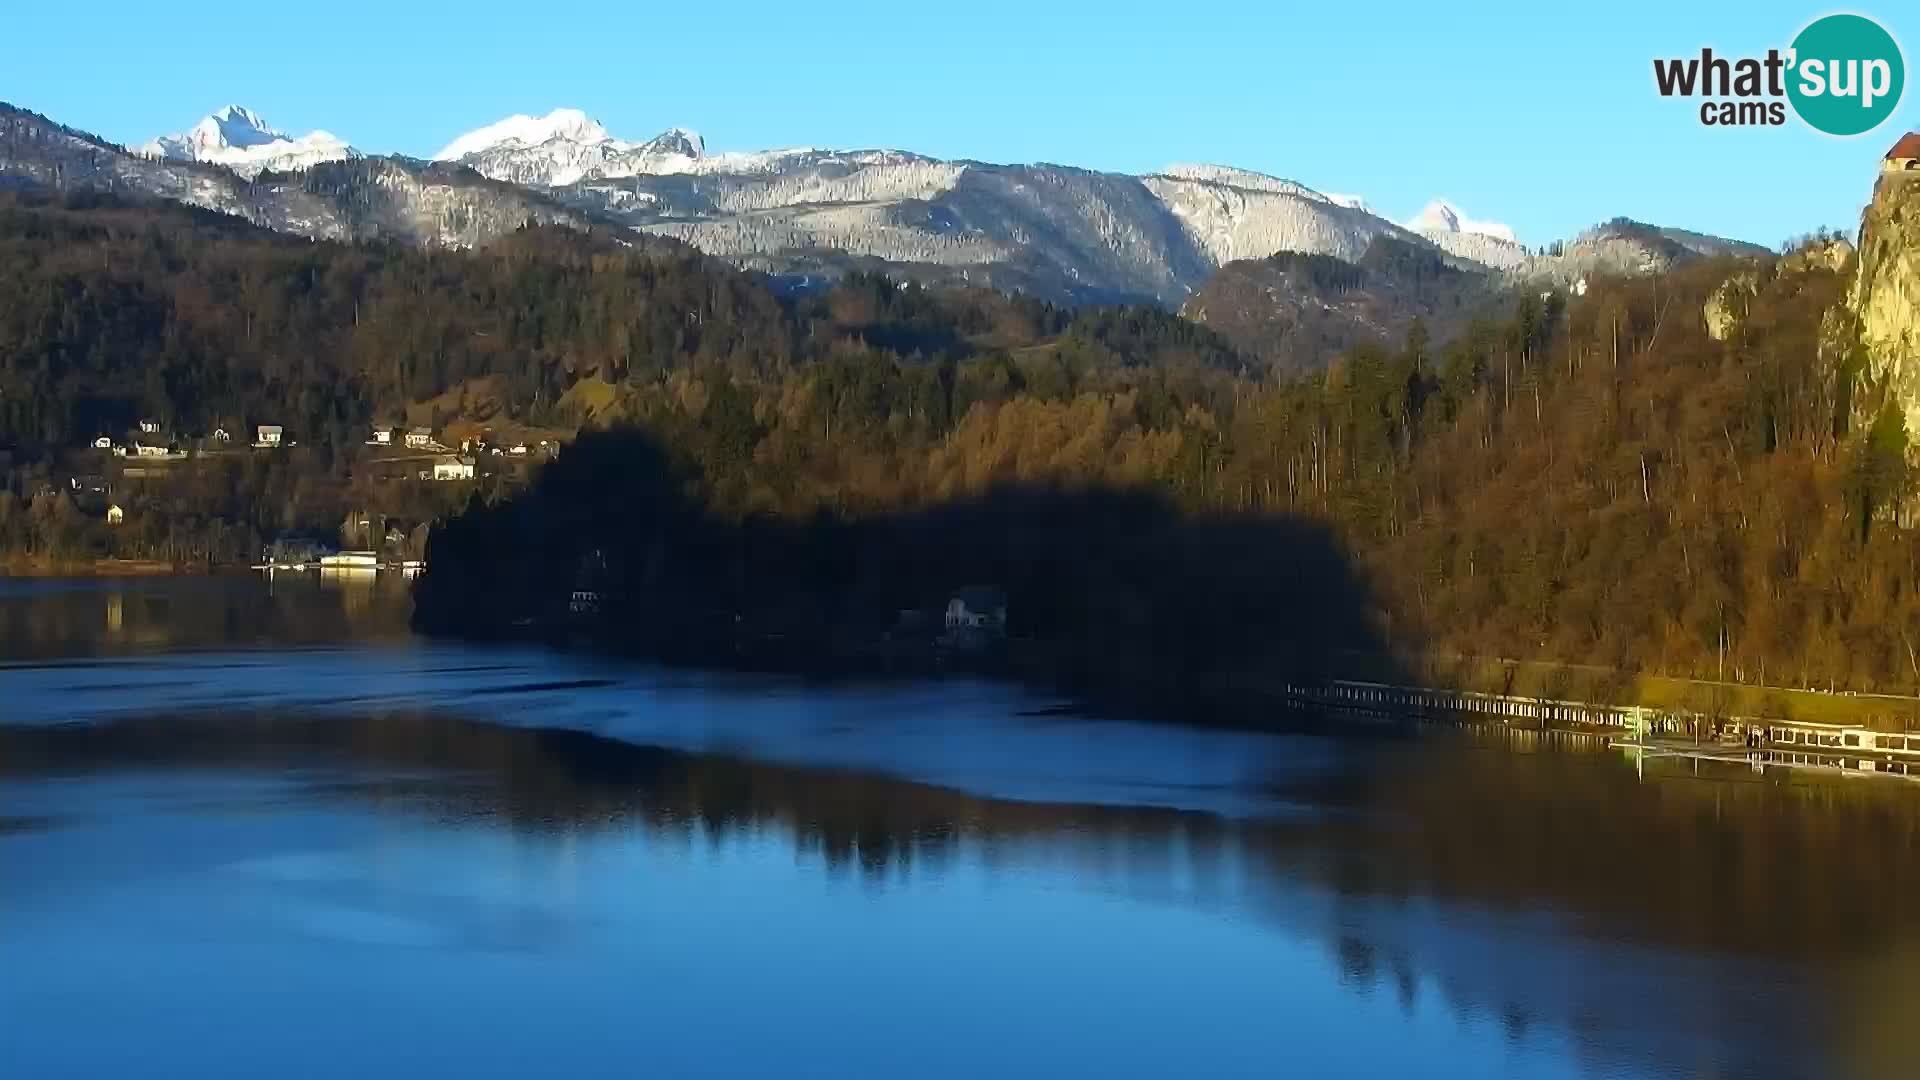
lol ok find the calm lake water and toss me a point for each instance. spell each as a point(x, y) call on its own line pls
point(260, 831)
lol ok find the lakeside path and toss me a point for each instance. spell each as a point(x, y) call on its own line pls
point(1603, 685)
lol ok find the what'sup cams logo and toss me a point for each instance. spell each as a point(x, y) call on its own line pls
point(1843, 75)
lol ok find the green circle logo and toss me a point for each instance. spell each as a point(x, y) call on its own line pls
point(1847, 74)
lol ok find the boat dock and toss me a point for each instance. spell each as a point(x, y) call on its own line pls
point(343, 562)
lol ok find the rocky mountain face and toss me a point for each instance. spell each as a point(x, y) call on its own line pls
point(356, 199)
point(1886, 290)
point(1731, 302)
point(239, 139)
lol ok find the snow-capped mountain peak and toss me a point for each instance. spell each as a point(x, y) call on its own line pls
point(242, 140)
point(1441, 216)
point(679, 140)
point(567, 146)
point(521, 130)
point(232, 126)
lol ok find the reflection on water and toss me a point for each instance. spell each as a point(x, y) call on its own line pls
point(442, 861)
point(42, 617)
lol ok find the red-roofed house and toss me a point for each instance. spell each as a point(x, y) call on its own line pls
point(1905, 155)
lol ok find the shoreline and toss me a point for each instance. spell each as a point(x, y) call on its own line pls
point(1242, 695)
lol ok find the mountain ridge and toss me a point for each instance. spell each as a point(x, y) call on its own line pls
point(807, 214)
point(357, 199)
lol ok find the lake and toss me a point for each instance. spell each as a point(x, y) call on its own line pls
point(258, 829)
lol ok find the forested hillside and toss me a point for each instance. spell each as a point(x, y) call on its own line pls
point(111, 312)
point(1293, 311)
point(1598, 482)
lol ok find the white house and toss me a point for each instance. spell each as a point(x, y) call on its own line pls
point(103, 443)
point(979, 609)
point(221, 435)
point(142, 448)
point(420, 438)
point(115, 515)
point(149, 427)
point(382, 436)
point(453, 468)
point(268, 435)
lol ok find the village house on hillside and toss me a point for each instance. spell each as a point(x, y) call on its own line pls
point(453, 468)
point(268, 435)
point(420, 438)
point(382, 436)
point(1905, 155)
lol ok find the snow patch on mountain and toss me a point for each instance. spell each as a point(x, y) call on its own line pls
point(241, 140)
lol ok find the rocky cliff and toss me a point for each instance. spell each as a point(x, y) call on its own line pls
point(1886, 292)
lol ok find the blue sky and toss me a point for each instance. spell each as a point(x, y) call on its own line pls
point(1540, 117)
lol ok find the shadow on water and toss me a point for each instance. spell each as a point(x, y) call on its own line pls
point(1111, 592)
point(1711, 928)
